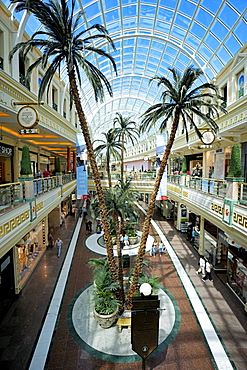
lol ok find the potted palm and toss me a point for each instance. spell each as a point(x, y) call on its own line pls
point(105, 301)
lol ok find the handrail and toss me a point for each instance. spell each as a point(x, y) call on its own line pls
point(14, 193)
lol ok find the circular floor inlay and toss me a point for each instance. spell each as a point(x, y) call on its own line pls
point(95, 243)
point(109, 344)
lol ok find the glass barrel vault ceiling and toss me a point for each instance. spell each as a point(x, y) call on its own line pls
point(150, 36)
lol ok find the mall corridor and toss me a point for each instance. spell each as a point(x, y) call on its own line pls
point(188, 351)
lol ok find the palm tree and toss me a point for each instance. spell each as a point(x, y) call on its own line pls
point(111, 147)
point(180, 99)
point(127, 130)
point(61, 43)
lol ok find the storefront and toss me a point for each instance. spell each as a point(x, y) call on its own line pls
point(6, 164)
point(236, 266)
point(29, 251)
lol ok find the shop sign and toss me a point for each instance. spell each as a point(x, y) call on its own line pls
point(6, 150)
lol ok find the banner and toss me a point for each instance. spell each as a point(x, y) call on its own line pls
point(161, 141)
point(81, 167)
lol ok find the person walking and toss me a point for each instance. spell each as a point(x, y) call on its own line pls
point(161, 249)
point(59, 244)
point(208, 269)
point(154, 248)
point(202, 265)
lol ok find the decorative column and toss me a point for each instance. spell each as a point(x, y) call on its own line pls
point(16, 161)
point(68, 160)
point(74, 162)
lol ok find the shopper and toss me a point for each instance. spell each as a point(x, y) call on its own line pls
point(126, 240)
point(59, 244)
point(154, 248)
point(50, 240)
point(202, 265)
point(208, 269)
point(161, 249)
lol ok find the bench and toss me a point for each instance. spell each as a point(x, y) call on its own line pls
point(124, 321)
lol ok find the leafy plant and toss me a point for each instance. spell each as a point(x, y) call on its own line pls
point(152, 280)
point(105, 288)
point(25, 162)
point(235, 162)
point(184, 165)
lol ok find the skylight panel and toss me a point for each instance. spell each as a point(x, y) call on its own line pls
point(170, 50)
point(192, 41)
point(169, 4)
point(129, 42)
point(146, 23)
point(219, 30)
point(165, 15)
point(212, 42)
point(178, 32)
point(186, 7)
point(213, 6)
point(129, 11)
point(96, 20)
point(162, 27)
point(238, 5)
point(179, 65)
point(110, 4)
point(204, 51)
point(197, 30)
point(224, 55)
point(112, 15)
point(241, 31)
point(232, 44)
point(92, 10)
point(228, 16)
point(113, 27)
point(204, 18)
point(147, 10)
point(184, 58)
point(182, 21)
point(216, 64)
point(129, 23)
point(199, 60)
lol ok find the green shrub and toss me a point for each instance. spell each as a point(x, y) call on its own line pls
point(235, 162)
point(25, 162)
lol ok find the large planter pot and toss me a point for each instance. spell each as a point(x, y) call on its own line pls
point(106, 321)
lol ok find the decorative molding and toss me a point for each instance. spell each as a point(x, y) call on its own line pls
point(9, 226)
point(216, 208)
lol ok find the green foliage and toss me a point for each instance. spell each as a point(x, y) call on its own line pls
point(104, 295)
point(235, 162)
point(184, 165)
point(25, 161)
point(152, 280)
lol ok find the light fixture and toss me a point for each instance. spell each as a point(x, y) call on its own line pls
point(146, 289)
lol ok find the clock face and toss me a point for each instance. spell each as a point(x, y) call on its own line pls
point(207, 137)
point(27, 117)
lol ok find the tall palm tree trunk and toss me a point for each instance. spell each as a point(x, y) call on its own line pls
point(108, 171)
point(120, 265)
point(96, 176)
point(122, 159)
point(149, 214)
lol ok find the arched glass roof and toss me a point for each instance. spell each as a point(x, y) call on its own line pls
point(150, 36)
